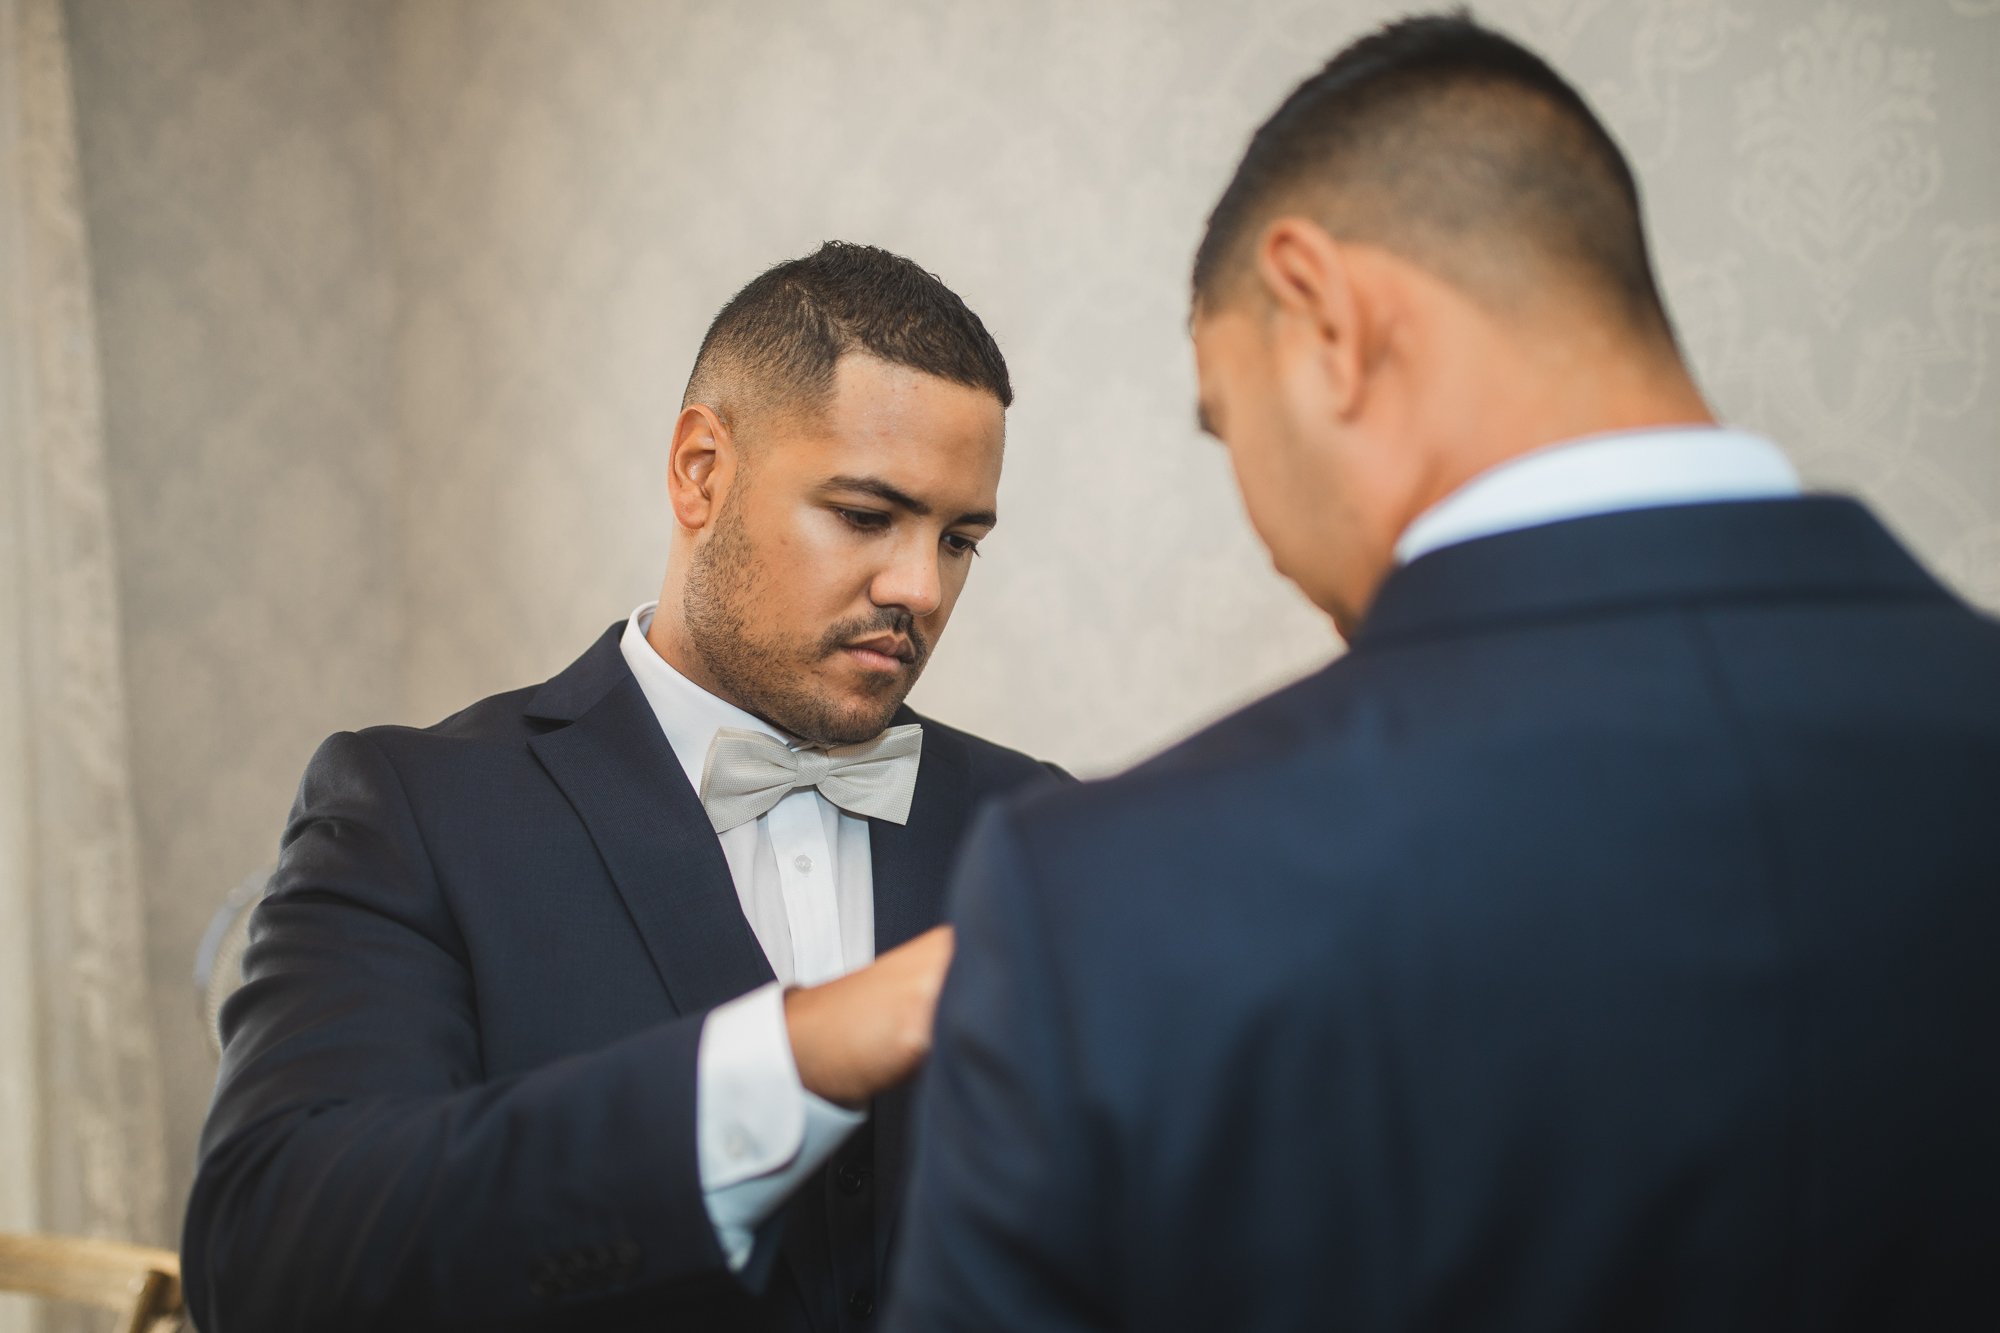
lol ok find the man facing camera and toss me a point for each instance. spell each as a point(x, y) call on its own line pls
point(1608, 940)
point(588, 1007)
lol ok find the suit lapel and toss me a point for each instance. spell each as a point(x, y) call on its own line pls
point(912, 864)
point(621, 776)
point(912, 861)
point(618, 772)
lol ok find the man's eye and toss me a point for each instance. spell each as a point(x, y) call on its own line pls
point(867, 519)
point(960, 545)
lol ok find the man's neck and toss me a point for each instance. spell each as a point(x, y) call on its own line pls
point(667, 636)
point(1540, 397)
point(1500, 403)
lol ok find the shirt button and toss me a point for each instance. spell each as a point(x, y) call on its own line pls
point(804, 864)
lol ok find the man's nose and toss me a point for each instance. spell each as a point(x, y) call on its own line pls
point(911, 581)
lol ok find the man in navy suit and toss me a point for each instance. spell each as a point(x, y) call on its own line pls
point(1610, 940)
point(588, 1007)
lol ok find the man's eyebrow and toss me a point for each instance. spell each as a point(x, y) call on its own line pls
point(888, 494)
point(881, 490)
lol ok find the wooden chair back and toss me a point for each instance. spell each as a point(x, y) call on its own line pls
point(139, 1282)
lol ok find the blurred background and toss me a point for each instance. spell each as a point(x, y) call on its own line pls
point(345, 337)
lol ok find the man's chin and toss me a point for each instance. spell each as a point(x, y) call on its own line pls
point(860, 724)
point(849, 718)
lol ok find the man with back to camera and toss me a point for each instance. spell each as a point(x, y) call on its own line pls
point(1607, 940)
point(519, 1043)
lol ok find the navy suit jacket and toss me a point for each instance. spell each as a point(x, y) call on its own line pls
point(458, 1088)
point(1610, 940)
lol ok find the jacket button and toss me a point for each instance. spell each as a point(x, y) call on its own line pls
point(861, 1304)
point(851, 1179)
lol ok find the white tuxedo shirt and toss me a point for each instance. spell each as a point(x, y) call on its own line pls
point(806, 883)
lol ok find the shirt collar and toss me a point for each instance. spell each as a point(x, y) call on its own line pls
point(1604, 474)
point(688, 714)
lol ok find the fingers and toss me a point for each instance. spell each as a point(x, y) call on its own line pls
point(868, 1031)
point(822, 1044)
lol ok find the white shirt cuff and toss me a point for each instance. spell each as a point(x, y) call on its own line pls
point(758, 1132)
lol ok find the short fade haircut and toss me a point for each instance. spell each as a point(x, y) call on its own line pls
point(1459, 150)
point(776, 346)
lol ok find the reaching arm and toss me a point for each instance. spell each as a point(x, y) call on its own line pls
point(783, 1077)
point(359, 1170)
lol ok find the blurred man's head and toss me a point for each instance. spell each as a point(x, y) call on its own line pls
point(1430, 259)
point(833, 468)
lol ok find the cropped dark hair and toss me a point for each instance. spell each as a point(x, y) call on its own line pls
point(776, 345)
point(1445, 142)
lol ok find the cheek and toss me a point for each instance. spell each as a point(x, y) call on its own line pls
point(1261, 477)
point(803, 570)
point(952, 575)
point(1285, 507)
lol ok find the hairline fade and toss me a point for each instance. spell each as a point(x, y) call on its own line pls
point(1458, 149)
point(775, 348)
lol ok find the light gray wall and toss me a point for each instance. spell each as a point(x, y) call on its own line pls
point(397, 301)
point(236, 176)
point(583, 184)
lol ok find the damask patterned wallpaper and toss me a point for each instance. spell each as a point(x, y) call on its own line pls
point(236, 177)
point(397, 298)
point(582, 185)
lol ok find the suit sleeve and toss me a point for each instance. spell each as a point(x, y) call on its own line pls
point(359, 1171)
point(1006, 1222)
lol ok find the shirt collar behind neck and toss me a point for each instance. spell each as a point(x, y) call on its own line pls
point(1604, 474)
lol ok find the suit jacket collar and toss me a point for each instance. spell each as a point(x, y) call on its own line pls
point(912, 860)
point(623, 780)
point(913, 864)
point(1817, 547)
point(573, 691)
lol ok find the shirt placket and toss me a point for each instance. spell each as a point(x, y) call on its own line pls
point(806, 878)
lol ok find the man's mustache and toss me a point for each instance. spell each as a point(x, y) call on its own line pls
point(888, 620)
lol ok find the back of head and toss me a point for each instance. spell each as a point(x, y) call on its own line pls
point(773, 350)
point(1459, 150)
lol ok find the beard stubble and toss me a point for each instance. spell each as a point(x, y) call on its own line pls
point(773, 677)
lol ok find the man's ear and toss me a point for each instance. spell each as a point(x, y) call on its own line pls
point(1318, 311)
point(700, 461)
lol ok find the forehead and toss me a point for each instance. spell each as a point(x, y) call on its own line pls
point(886, 419)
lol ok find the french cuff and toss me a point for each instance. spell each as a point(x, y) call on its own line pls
point(759, 1134)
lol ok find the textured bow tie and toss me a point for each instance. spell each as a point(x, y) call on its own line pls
point(748, 772)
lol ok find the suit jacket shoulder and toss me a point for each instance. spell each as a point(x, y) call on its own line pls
point(1578, 590)
point(1638, 858)
point(995, 769)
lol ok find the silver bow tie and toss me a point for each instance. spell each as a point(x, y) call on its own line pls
point(748, 772)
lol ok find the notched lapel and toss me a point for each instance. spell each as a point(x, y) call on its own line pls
point(623, 780)
point(913, 860)
point(912, 863)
